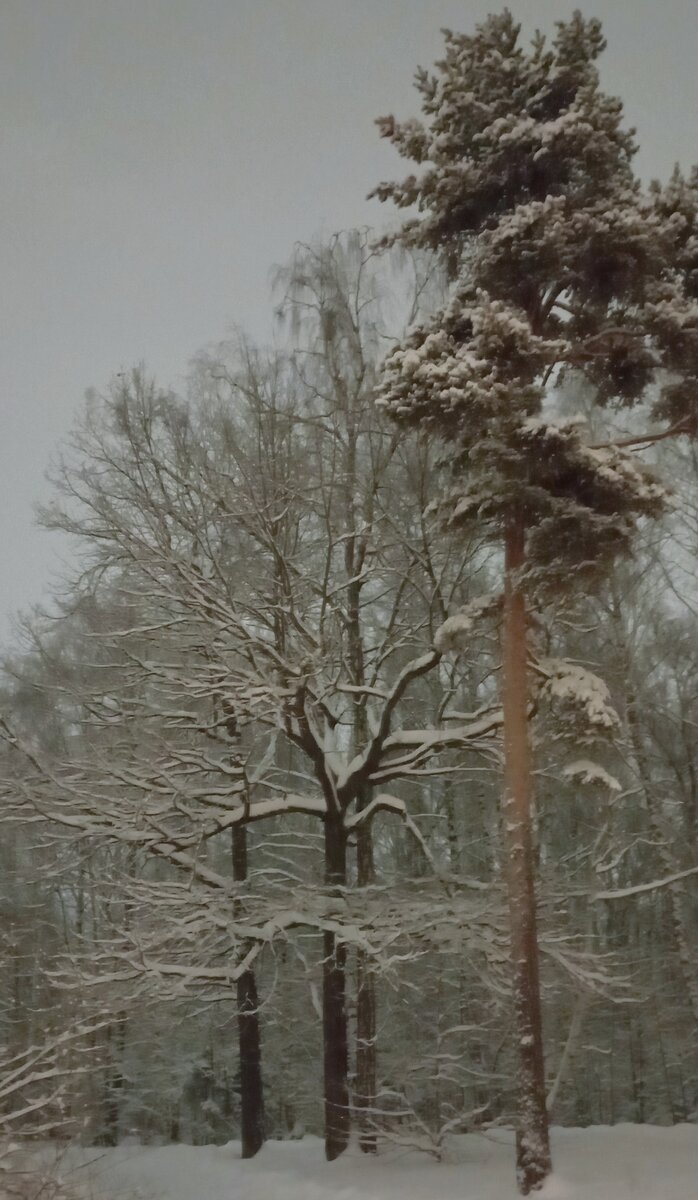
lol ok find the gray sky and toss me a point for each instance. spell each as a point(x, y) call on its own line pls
point(159, 156)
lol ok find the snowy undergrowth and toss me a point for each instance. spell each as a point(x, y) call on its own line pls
point(625, 1162)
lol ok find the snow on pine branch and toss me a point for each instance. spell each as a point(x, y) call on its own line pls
point(579, 695)
point(587, 772)
point(452, 635)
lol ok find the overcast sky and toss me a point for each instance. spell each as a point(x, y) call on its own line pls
point(160, 156)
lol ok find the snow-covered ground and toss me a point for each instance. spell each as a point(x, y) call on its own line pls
point(626, 1162)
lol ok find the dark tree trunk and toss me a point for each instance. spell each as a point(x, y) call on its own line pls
point(334, 1005)
point(533, 1161)
point(365, 1096)
point(249, 1041)
point(116, 1040)
point(355, 546)
point(365, 1088)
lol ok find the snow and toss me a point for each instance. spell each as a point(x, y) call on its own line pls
point(453, 634)
point(574, 685)
point(585, 771)
point(623, 1162)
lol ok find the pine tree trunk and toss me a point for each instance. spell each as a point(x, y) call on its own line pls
point(334, 1005)
point(365, 1014)
point(249, 1041)
point(533, 1161)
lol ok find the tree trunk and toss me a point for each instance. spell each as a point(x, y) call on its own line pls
point(365, 1095)
point(249, 1041)
point(365, 1088)
point(116, 1042)
point(533, 1161)
point(334, 1005)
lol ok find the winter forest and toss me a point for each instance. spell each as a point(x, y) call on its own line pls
point(349, 780)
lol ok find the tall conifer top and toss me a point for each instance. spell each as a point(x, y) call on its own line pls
point(561, 264)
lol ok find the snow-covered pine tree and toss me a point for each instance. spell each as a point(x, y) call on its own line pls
point(560, 264)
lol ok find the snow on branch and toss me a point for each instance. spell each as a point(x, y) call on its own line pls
point(579, 694)
point(639, 889)
point(452, 635)
point(362, 767)
point(587, 772)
